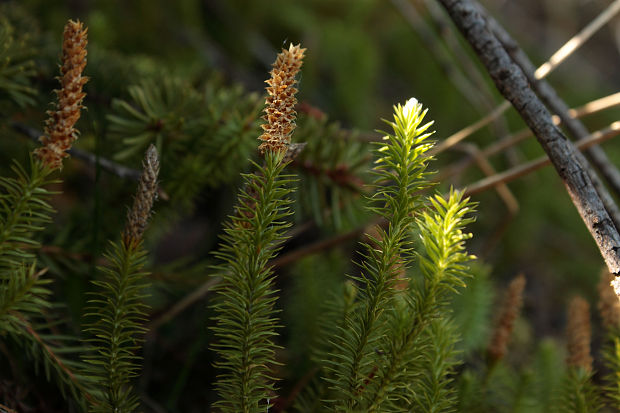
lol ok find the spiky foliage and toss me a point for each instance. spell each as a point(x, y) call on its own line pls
point(399, 174)
point(443, 264)
point(117, 312)
point(115, 319)
point(245, 321)
point(611, 356)
point(332, 172)
point(439, 362)
point(578, 393)
point(205, 133)
point(16, 64)
point(377, 357)
point(24, 297)
point(24, 210)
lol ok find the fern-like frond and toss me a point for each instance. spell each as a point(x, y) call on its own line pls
point(53, 353)
point(443, 262)
point(23, 292)
point(246, 319)
point(439, 362)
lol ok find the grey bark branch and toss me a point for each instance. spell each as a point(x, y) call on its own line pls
point(568, 162)
point(105, 164)
point(574, 126)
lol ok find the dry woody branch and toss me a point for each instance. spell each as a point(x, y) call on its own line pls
point(579, 334)
point(59, 127)
point(508, 314)
point(570, 165)
point(138, 216)
point(280, 111)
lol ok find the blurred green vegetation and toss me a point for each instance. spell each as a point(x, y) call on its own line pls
point(209, 59)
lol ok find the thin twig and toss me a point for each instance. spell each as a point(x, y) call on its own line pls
point(281, 261)
point(578, 40)
point(466, 62)
point(441, 55)
point(554, 61)
point(183, 304)
point(568, 162)
point(471, 129)
point(518, 171)
point(512, 205)
point(105, 164)
point(508, 141)
point(574, 126)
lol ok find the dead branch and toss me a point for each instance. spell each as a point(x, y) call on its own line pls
point(568, 162)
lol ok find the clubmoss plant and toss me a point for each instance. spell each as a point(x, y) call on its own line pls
point(508, 313)
point(579, 394)
point(59, 127)
point(24, 210)
point(381, 353)
point(117, 313)
point(246, 318)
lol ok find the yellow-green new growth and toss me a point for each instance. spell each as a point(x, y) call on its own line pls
point(400, 175)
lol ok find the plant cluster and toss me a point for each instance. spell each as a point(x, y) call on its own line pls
point(408, 328)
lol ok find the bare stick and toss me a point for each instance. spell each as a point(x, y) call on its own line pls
point(184, 303)
point(510, 140)
point(485, 166)
point(106, 164)
point(471, 129)
point(524, 169)
point(568, 162)
point(444, 60)
point(554, 61)
point(578, 40)
point(574, 126)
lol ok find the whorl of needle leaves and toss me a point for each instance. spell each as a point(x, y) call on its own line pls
point(579, 333)
point(139, 214)
point(508, 314)
point(59, 127)
point(608, 303)
point(280, 111)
